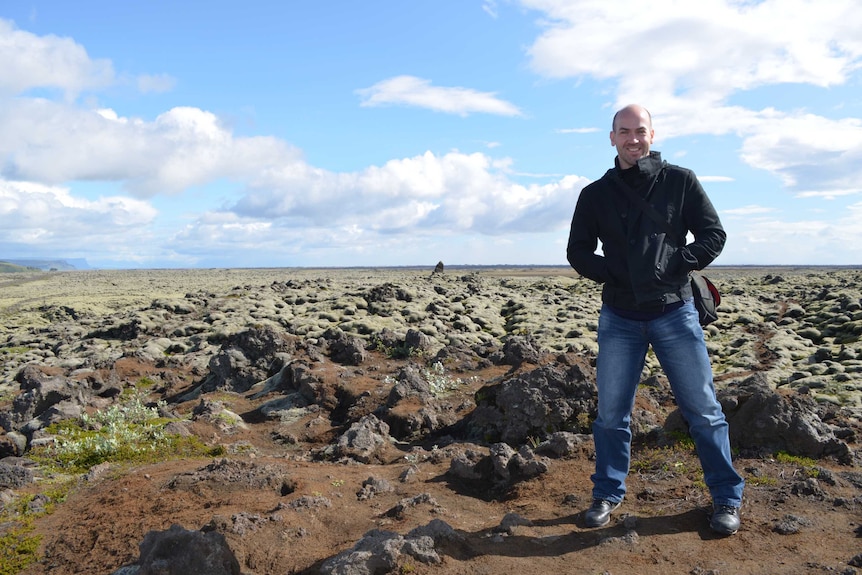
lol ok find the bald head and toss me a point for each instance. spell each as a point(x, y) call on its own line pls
point(634, 109)
point(632, 134)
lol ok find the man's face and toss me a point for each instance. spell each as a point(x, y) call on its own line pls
point(632, 136)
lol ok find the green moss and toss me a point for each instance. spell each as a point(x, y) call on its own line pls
point(18, 548)
point(649, 461)
point(19, 545)
point(145, 383)
point(399, 350)
point(761, 481)
point(15, 350)
point(137, 391)
point(136, 444)
point(130, 433)
point(682, 440)
point(668, 462)
point(808, 465)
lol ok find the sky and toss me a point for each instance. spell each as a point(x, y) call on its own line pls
point(335, 133)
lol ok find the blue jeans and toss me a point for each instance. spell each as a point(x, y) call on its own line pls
point(677, 340)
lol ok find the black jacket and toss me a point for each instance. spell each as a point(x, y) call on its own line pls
point(640, 267)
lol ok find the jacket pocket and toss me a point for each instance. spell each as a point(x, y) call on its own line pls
point(667, 268)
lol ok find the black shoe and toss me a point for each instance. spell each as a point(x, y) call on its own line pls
point(599, 512)
point(725, 519)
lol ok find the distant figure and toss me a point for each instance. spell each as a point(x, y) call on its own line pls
point(647, 300)
point(438, 269)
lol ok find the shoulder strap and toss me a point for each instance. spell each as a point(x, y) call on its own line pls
point(640, 202)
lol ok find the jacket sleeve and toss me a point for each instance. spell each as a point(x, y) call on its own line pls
point(703, 222)
point(583, 241)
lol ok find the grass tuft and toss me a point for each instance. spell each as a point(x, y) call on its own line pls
point(808, 465)
point(18, 547)
point(128, 433)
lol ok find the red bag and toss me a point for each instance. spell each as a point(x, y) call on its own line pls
point(706, 298)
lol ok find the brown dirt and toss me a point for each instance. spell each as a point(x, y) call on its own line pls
point(661, 529)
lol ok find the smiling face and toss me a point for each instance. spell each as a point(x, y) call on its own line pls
point(632, 135)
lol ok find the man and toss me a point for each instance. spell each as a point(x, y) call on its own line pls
point(647, 301)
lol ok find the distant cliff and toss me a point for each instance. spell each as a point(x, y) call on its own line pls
point(25, 264)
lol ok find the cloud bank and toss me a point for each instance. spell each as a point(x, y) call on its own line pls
point(59, 148)
point(689, 60)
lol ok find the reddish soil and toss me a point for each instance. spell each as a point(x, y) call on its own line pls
point(661, 528)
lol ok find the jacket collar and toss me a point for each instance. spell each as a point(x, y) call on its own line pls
point(648, 166)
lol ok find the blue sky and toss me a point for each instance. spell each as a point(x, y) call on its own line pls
point(406, 132)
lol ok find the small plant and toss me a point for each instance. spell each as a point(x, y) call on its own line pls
point(398, 350)
point(19, 544)
point(18, 548)
point(664, 462)
point(646, 462)
point(697, 478)
point(682, 440)
point(135, 391)
point(761, 481)
point(584, 422)
point(403, 351)
point(439, 381)
point(228, 418)
point(131, 432)
point(808, 465)
point(784, 457)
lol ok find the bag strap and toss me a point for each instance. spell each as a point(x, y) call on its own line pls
point(640, 202)
point(647, 208)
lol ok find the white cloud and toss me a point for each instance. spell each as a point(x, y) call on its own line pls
point(686, 60)
point(802, 242)
point(46, 219)
point(812, 155)
point(703, 50)
point(226, 238)
point(749, 210)
point(831, 194)
point(53, 143)
point(693, 61)
point(490, 8)
point(451, 193)
point(28, 61)
point(577, 130)
point(418, 92)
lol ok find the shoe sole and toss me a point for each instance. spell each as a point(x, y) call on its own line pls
point(722, 531)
